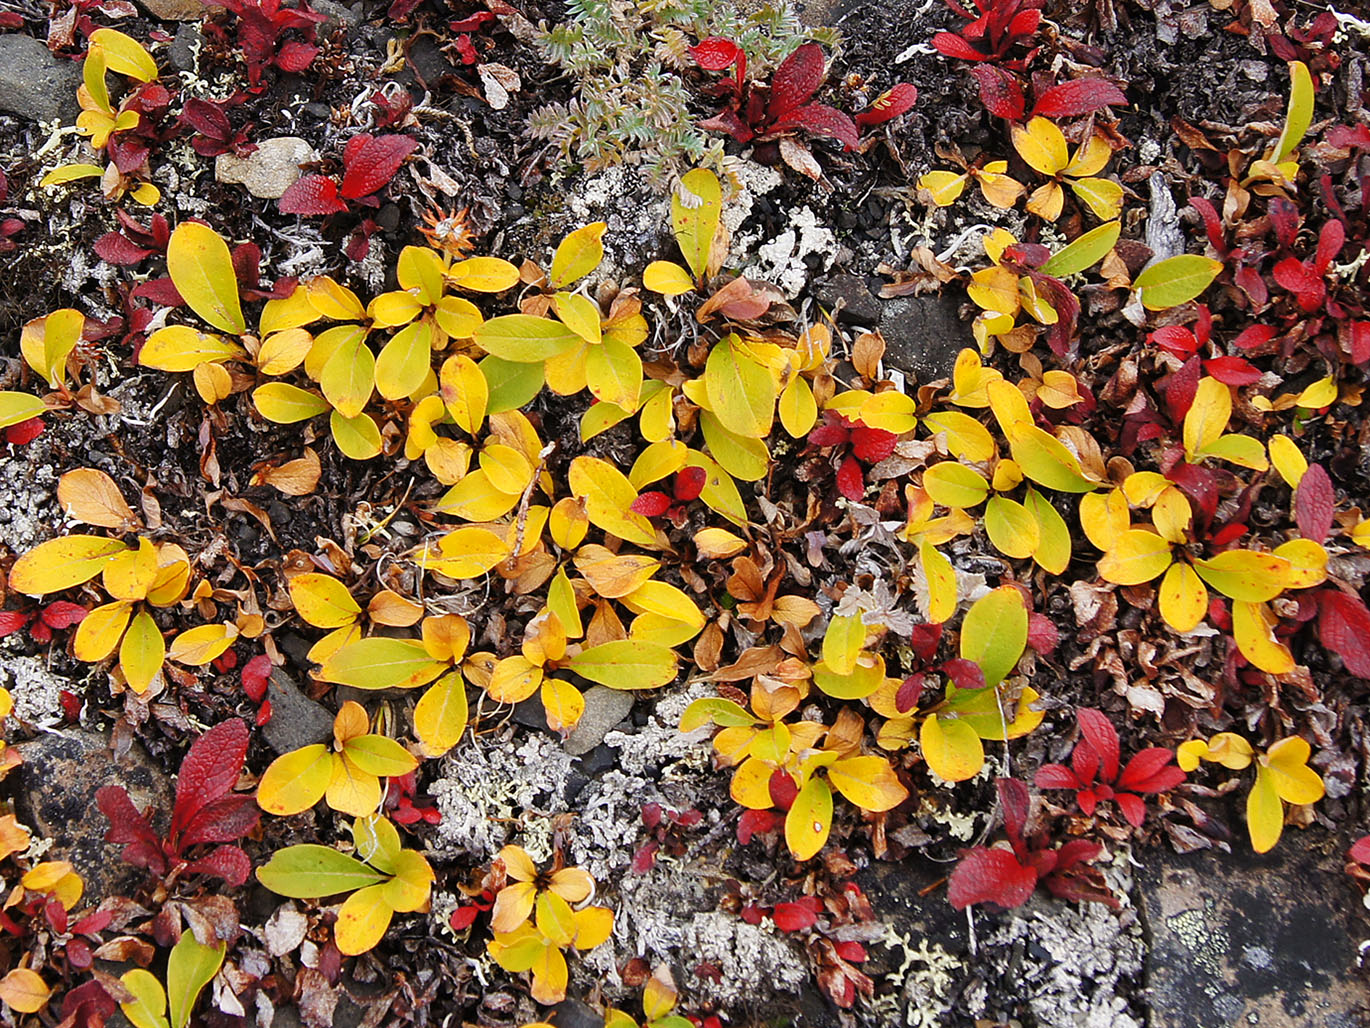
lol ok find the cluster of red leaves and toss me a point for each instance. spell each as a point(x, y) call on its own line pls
point(993, 29)
point(752, 111)
point(369, 163)
point(206, 811)
point(69, 938)
point(1007, 877)
point(924, 643)
point(262, 26)
point(665, 828)
point(55, 616)
point(463, 27)
point(133, 241)
point(685, 488)
point(404, 805)
point(256, 676)
point(130, 149)
point(855, 444)
point(214, 134)
point(1095, 775)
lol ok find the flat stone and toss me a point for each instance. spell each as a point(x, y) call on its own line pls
point(604, 708)
point(269, 170)
point(34, 83)
point(175, 10)
point(923, 335)
point(858, 305)
point(1249, 939)
point(296, 720)
point(58, 780)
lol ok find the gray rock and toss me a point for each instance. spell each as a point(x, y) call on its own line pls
point(858, 304)
point(175, 10)
point(182, 49)
point(58, 780)
point(1245, 939)
point(604, 709)
point(34, 83)
point(337, 16)
point(923, 335)
point(269, 170)
point(296, 720)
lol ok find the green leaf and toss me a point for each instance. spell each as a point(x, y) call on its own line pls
point(715, 709)
point(309, 871)
point(17, 407)
point(382, 663)
point(148, 1009)
point(994, 633)
point(626, 664)
point(511, 385)
point(696, 207)
point(1085, 252)
point(1175, 280)
point(189, 968)
point(201, 268)
point(1299, 115)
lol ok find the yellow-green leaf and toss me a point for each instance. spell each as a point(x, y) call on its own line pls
point(405, 361)
point(358, 438)
point(1136, 556)
point(524, 339)
point(740, 391)
point(1175, 280)
point(47, 342)
point(196, 647)
point(626, 664)
point(994, 632)
point(124, 54)
point(810, 819)
point(842, 642)
point(1207, 417)
point(1011, 527)
point(286, 404)
point(61, 563)
point(952, 748)
point(1053, 534)
point(295, 781)
point(613, 371)
point(696, 208)
point(577, 255)
point(190, 967)
point(954, 485)
point(608, 495)
point(1084, 252)
point(182, 348)
point(1299, 114)
point(310, 871)
point(466, 552)
point(967, 439)
point(147, 1009)
point(17, 407)
point(1247, 575)
point(381, 663)
point(465, 392)
point(441, 714)
point(941, 579)
point(201, 268)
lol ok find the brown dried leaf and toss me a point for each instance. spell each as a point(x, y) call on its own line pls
point(298, 477)
point(89, 495)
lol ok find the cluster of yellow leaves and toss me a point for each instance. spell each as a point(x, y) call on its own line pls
point(1282, 776)
point(536, 917)
point(383, 879)
point(135, 577)
point(22, 988)
point(109, 51)
point(347, 774)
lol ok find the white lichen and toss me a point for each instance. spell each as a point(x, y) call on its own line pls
point(36, 690)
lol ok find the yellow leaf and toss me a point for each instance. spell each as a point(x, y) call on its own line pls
point(382, 663)
point(613, 575)
point(61, 563)
point(148, 1007)
point(1053, 535)
point(626, 664)
point(1011, 527)
point(182, 348)
point(506, 469)
point(47, 342)
point(513, 680)
point(1136, 556)
point(742, 457)
point(142, 652)
point(283, 352)
point(413, 882)
point(1253, 628)
point(349, 373)
point(954, 485)
point(124, 55)
point(952, 749)
point(197, 646)
point(1247, 575)
point(967, 439)
point(1010, 408)
point(810, 820)
point(971, 379)
point(1298, 115)
point(1183, 598)
point(334, 301)
point(608, 495)
point(129, 575)
point(100, 631)
point(1294, 781)
point(24, 990)
point(421, 270)
point(1171, 514)
point(1102, 196)
point(378, 755)
point(997, 188)
point(201, 268)
point(323, 601)
point(1041, 145)
point(352, 790)
point(358, 438)
point(404, 362)
point(944, 187)
point(17, 407)
point(667, 278)
point(90, 495)
point(1207, 417)
point(467, 552)
point(613, 371)
point(295, 311)
point(577, 255)
point(842, 642)
point(1288, 459)
point(70, 173)
point(1307, 563)
point(562, 703)
point(362, 920)
point(720, 492)
point(657, 461)
point(524, 339)
point(286, 404)
point(579, 314)
point(718, 544)
point(740, 391)
point(868, 782)
point(1264, 812)
point(1321, 393)
point(464, 392)
point(941, 579)
point(696, 208)
point(1047, 201)
point(483, 275)
point(212, 382)
point(750, 786)
point(797, 408)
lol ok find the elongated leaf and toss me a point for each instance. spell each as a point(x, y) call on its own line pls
point(994, 633)
point(1084, 252)
point(190, 967)
point(1299, 115)
point(696, 208)
point(309, 871)
point(380, 663)
point(1175, 280)
point(626, 664)
point(201, 268)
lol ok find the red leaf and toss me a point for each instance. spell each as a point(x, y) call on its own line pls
point(126, 825)
point(890, 104)
point(689, 483)
point(207, 118)
point(829, 435)
point(1056, 776)
point(1233, 371)
point(311, 195)
point(644, 858)
point(1150, 770)
point(63, 614)
point(118, 249)
point(651, 504)
point(1301, 280)
point(226, 862)
point(850, 480)
point(872, 445)
point(1360, 342)
point(1330, 241)
point(821, 120)
point(295, 57)
point(1344, 628)
point(1013, 796)
point(256, 675)
point(715, 53)
point(160, 291)
point(1360, 850)
point(756, 822)
point(782, 788)
point(1042, 633)
point(1132, 807)
point(24, 432)
point(949, 44)
point(223, 820)
point(1079, 96)
point(11, 621)
point(1213, 225)
point(1000, 92)
point(793, 917)
point(727, 121)
point(1177, 340)
point(372, 163)
point(796, 80)
point(263, 714)
point(1254, 336)
point(463, 918)
point(651, 814)
point(210, 768)
point(909, 692)
point(965, 674)
point(1100, 735)
point(853, 951)
point(1315, 504)
point(987, 875)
